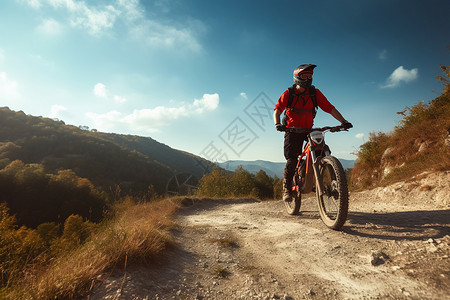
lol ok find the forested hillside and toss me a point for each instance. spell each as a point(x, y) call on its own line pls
point(37, 154)
point(176, 160)
point(60, 184)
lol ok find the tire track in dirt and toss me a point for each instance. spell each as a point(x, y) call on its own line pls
point(306, 257)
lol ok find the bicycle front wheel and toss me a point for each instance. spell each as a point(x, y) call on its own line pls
point(333, 203)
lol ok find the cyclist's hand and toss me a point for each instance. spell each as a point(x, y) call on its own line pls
point(280, 127)
point(346, 125)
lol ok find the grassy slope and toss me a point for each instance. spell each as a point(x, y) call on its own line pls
point(137, 233)
point(421, 142)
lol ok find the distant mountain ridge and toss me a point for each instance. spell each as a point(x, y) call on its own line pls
point(271, 168)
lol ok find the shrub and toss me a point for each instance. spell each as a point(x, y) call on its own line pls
point(136, 233)
point(49, 232)
point(20, 249)
point(370, 153)
point(75, 233)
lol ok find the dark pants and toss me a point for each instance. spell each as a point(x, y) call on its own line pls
point(293, 144)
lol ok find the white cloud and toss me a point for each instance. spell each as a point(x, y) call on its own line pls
point(131, 9)
point(150, 119)
point(158, 35)
point(105, 121)
point(8, 88)
point(244, 95)
point(359, 136)
point(207, 103)
point(119, 99)
point(95, 21)
point(100, 90)
point(36, 4)
point(69, 4)
point(98, 19)
point(401, 74)
point(56, 110)
point(50, 27)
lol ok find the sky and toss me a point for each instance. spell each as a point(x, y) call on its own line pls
point(203, 76)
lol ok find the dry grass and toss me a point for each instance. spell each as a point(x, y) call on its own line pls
point(135, 234)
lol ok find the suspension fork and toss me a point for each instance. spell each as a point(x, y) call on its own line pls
point(315, 166)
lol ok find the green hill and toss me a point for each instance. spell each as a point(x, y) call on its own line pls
point(140, 166)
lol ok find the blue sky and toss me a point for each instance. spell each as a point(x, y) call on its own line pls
point(203, 76)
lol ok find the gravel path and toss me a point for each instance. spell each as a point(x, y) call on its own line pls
point(395, 245)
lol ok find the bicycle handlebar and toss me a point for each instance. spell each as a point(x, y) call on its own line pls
point(323, 129)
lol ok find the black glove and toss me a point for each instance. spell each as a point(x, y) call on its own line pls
point(346, 124)
point(280, 127)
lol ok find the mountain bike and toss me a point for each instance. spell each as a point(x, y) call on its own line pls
point(318, 171)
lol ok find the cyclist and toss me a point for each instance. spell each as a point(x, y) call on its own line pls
point(300, 113)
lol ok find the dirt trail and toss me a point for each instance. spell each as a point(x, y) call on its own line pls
point(395, 248)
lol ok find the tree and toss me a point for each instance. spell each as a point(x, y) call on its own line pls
point(215, 184)
point(264, 184)
point(277, 187)
point(242, 183)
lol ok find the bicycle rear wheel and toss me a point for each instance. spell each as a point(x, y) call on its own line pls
point(293, 206)
point(333, 203)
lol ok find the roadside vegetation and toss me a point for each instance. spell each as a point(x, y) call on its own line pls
point(240, 183)
point(35, 196)
point(75, 203)
point(420, 142)
point(43, 263)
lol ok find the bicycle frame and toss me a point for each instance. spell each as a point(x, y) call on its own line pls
point(329, 178)
point(308, 162)
point(309, 153)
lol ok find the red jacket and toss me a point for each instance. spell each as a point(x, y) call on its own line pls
point(302, 119)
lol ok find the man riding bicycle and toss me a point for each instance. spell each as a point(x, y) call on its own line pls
point(300, 103)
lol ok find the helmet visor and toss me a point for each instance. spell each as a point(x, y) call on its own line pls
point(305, 75)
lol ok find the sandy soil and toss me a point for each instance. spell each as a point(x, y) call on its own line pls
point(394, 245)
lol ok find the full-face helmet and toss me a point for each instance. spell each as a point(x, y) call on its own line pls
point(303, 75)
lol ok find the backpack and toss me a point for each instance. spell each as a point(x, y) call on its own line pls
point(312, 94)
